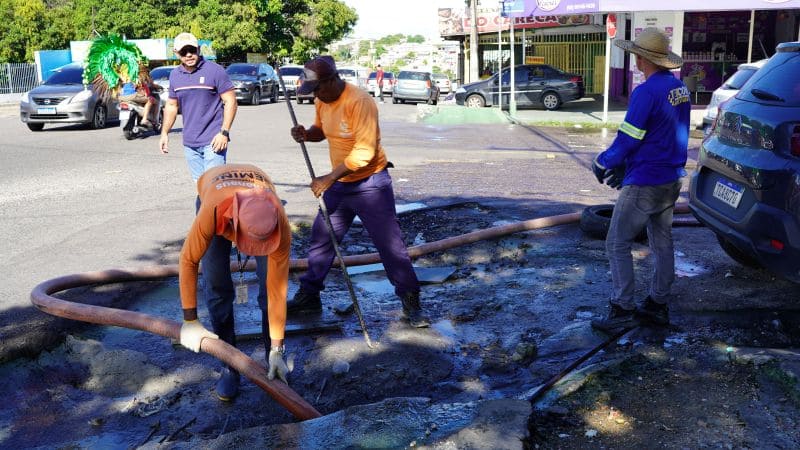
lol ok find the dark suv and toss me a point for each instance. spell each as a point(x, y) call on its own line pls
point(747, 184)
point(254, 81)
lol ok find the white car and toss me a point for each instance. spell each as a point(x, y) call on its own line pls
point(349, 75)
point(291, 77)
point(442, 82)
point(388, 82)
point(728, 89)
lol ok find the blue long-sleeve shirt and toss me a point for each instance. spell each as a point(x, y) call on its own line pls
point(653, 140)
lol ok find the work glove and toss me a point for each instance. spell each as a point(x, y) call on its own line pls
point(614, 180)
point(192, 334)
point(277, 366)
point(600, 172)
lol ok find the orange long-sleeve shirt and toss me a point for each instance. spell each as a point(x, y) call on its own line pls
point(350, 125)
point(216, 188)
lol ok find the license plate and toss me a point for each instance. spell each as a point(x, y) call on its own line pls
point(123, 117)
point(728, 192)
point(50, 110)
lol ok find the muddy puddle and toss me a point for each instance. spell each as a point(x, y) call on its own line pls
point(507, 315)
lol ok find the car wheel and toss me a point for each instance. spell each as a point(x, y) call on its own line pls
point(736, 254)
point(551, 101)
point(99, 117)
point(435, 101)
point(395, 100)
point(256, 97)
point(475, 101)
point(35, 126)
point(596, 220)
point(299, 101)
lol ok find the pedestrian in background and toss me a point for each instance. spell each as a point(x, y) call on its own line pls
point(646, 160)
point(379, 81)
point(238, 204)
point(204, 93)
point(358, 184)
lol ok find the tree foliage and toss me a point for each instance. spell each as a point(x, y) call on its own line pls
point(293, 29)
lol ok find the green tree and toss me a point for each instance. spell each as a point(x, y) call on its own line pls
point(327, 21)
point(281, 28)
point(416, 39)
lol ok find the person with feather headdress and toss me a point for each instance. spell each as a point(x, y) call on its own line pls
point(118, 69)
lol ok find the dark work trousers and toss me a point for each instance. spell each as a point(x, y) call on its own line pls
point(218, 286)
point(372, 199)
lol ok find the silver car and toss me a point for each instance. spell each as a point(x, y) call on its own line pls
point(160, 76)
point(64, 99)
point(728, 89)
point(415, 86)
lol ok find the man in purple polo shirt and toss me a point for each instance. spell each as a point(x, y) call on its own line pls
point(207, 101)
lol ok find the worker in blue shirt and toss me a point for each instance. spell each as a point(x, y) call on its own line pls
point(646, 162)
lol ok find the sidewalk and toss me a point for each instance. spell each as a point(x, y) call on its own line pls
point(587, 111)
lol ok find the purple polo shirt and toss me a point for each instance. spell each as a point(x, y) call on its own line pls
point(198, 94)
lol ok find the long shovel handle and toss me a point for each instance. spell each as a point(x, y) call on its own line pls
point(328, 223)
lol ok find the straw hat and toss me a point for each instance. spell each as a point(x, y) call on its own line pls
point(653, 45)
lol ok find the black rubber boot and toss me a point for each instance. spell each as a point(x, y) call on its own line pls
point(618, 318)
point(653, 312)
point(228, 384)
point(412, 311)
point(304, 303)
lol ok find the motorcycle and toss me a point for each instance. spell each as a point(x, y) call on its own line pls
point(130, 118)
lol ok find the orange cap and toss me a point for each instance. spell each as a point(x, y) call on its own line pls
point(255, 221)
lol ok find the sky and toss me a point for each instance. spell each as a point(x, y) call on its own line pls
point(378, 18)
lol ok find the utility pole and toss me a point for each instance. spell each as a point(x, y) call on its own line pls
point(473, 43)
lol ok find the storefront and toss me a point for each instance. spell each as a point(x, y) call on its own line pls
point(571, 42)
point(712, 43)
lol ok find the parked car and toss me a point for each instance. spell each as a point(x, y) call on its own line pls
point(160, 76)
point(415, 86)
point(388, 82)
point(303, 97)
point(728, 89)
point(442, 82)
point(63, 98)
point(253, 81)
point(746, 188)
point(349, 75)
point(534, 85)
point(291, 77)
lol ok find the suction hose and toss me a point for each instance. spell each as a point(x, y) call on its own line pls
point(42, 298)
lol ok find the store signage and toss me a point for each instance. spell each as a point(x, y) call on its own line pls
point(611, 26)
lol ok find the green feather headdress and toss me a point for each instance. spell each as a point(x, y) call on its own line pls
point(112, 61)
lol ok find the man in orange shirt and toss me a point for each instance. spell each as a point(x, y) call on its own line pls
point(359, 184)
point(238, 205)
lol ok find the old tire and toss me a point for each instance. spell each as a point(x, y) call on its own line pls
point(255, 99)
point(596, 220)
point(35, 126)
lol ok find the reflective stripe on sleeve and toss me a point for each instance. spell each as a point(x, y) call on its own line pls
point(632, 131)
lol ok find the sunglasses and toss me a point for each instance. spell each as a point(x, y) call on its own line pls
point(188, 50)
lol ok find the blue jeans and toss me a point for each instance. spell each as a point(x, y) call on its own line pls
point(372, 199)
point(638, 207)
point(202, 158)
point(219, 291)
